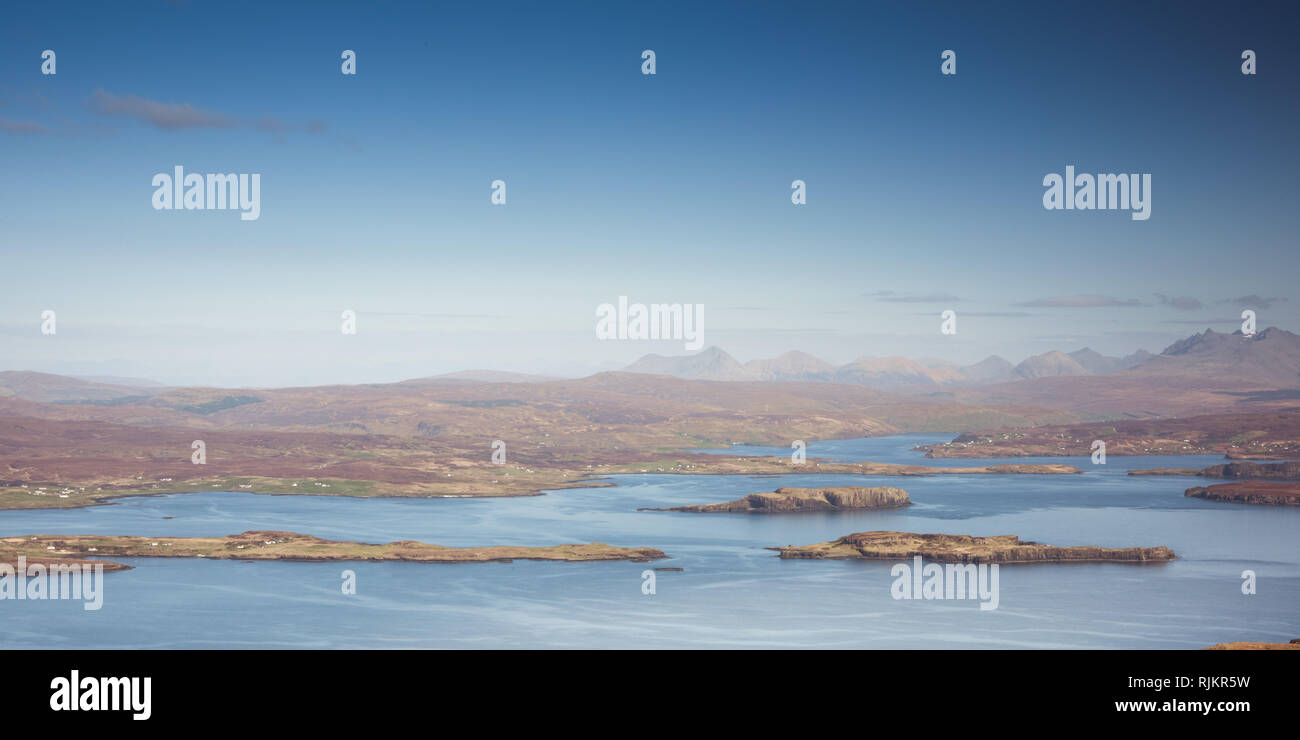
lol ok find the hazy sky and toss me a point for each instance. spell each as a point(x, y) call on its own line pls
point(924, 191)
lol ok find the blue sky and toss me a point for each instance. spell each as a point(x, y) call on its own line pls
point(666, 188)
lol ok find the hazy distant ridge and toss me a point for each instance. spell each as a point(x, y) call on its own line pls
point(1272, 355)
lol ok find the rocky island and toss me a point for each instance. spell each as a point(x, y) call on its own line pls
point(960, 548)
point(1268, 493)
point(1269, 484)
point(277, 545)
point(786, 500)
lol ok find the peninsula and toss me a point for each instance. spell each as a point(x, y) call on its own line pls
point(278, 545)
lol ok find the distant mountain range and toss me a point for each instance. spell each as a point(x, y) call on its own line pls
point(1202, 369)
point(1268, 358)
point(1271, 357)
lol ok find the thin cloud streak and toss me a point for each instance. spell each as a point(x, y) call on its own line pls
point(1080, 301)
point(1181, 303)
point(182, 116)
point(20, 128)
point(166, 116)
point(1254, 301)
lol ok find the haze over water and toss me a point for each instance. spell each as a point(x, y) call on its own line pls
point(732, 592)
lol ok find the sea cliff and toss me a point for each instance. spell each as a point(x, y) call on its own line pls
point(1268, 493)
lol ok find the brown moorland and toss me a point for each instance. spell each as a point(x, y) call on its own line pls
point(1264, 434)
point(435, 438)
point(67, 442)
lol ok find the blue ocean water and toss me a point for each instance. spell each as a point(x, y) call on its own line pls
point(732, 592)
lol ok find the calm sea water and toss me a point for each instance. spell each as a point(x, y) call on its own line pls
point(732, 593)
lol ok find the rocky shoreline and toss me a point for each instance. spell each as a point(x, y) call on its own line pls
point(1266, 493)
point(28, 561)
point(959, 548)
point(1267, 435)
point(1236, 470)
point(291, 546)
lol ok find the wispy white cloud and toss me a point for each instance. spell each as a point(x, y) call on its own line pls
point(1182, 303)
point(890, 296)
point(1080, 301)
point(180, 116)
point(1254, 301)
point(167, 116)
point(19, 128)
point(928, 298)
